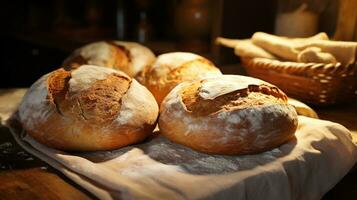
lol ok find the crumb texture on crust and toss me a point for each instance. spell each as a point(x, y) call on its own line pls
point(83, 77)
point(89, 93)
point(101, 102)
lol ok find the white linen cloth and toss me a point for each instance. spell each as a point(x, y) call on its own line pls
point(315, 49)
point(305, 168)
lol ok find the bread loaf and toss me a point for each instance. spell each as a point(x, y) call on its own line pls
point(229, 114)
point(171, 69)
point(87, 109)
point(129, 57)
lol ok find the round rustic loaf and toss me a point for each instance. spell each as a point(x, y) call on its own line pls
point(171, 69)
point(87, 109)
point(129, 57)
point(229, 114)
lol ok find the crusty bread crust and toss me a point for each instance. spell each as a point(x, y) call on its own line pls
point(235, 115)
point(170, 69)
point(87, 109)
point(129, 57)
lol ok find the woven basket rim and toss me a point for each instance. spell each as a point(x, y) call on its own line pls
point(334, 69)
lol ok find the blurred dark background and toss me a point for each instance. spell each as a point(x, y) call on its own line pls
point(37, 35)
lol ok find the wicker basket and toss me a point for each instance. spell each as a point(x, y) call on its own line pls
point(312, 83)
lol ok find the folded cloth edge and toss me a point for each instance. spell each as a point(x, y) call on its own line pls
point(110, 198)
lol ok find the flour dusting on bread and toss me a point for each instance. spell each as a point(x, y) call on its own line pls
point(174, 60)
point(140, 56)
point(84, 77)
point(174, 100)
point(217, 86)
point(90, 108)
point(96, 53)
point(227, 115)
point(134, 110)
point(35, 106)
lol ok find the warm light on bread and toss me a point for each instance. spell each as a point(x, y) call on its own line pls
point(227, 115)
point(89, 108)
point(171, 69)
point(129, 57)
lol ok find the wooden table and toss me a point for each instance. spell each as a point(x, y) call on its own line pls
point(23, 176)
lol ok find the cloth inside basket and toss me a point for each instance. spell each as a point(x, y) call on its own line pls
point(304, 168)
point(315, 49)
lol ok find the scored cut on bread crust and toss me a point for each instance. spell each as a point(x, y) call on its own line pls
point(89, 108)
point(227, 115)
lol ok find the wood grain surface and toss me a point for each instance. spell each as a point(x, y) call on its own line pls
point(37, 183)
point(25, 177)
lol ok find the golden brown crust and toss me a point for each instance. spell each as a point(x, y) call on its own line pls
point(128, 57)
point(57, 85)
point(96, 114)
point(90, 138)
point(100, 104)
point(251, 96)
point(160, 79)
point(188, 71)
point(116, 58)
point(249, 120)
point(121, 57)
point(213, 141)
